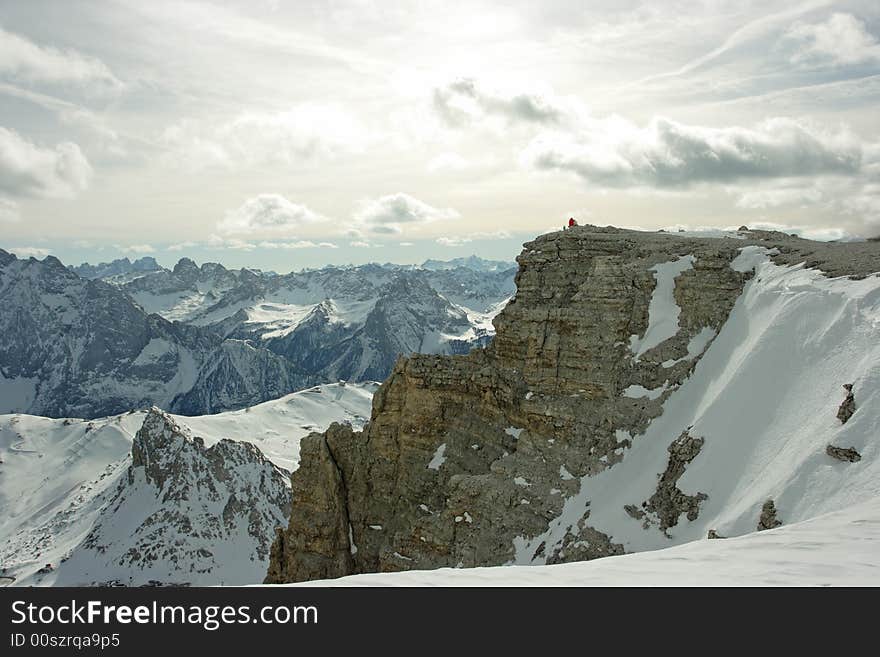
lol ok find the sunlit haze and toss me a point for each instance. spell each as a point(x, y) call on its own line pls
point(284, 135)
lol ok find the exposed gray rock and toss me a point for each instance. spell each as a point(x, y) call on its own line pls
point(848, 405)
point(713, 534)
point(768, 519)
point(117, 268)
point(667, 504)
point(843, 453)
point(466, 457)
point(184, 513)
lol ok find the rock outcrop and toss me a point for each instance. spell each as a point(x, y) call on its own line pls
point(768, 519)
point(665, 506)
point(185, 513)
point(843, 453)
point(467, 460)
point(848, 405)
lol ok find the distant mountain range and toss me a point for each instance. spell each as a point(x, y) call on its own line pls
point(95, 340)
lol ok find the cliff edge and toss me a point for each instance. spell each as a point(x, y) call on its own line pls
point(490, 458)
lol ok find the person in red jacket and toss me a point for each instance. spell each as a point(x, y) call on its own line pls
point(572, 222)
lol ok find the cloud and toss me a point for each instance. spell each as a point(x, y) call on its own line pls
point(9, 212)
point(70, 114)
point(180, 246)
point(465, 100)
point(29, 170)
point(306, 131)
point(360, 244)
point(268, 213)
point(138, 249)
point(819, 233)
point(236, 244)
point(30, 251)
point(615, 152)
point(386, 215)
point(842, 40)
point(22, 59)
point(462, 240)
point(299, 244)
point(405, 244)
point(761, 199)
point(447, 162)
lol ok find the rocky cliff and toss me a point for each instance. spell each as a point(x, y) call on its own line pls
point(481, 459)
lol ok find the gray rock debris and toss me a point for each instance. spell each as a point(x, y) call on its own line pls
point(768, 519)
point(848, 405)
point(713, 534)
point(843, 453)
point(668, 503)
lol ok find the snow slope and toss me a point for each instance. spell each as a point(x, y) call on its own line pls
point(764, 397)
point(836, 549)
point(57, 475)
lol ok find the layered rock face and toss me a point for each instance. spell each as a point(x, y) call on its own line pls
point(481, 459)
point(464, 454)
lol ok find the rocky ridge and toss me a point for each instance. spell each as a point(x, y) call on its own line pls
point(465, 456)
point(184, 513)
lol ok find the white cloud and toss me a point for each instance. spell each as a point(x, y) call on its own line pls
point(268, 213)
point(70, 115)
point(360, 244)
point(180, 246)
point(447, 162)
point(842, 40)
point(466, 100)
point(30, 251)
point(299, 244)
point(22, 59)
point(236, 244)
point(9, 212)
point(452, 241)
point(385, 215)
point(762, 199)
point(616, 153)
point(250, 139)
point(138, 249)
point(819, 233)
point(27, 169)
point(405, 244)
point(461, 240)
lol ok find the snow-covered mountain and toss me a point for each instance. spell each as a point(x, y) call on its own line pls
point(644, 391)
point(152, 497)
point(406, 316)
point(202, 339)
point(119, 270)
point(76, 347)
point(474, 263)
point(337, 322)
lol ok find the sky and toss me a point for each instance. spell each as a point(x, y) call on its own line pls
point(284, 135)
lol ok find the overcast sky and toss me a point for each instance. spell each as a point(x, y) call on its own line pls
point(287, 134)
